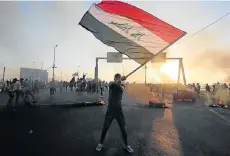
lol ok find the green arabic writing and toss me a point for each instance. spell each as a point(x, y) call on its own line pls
point(126, 27)
point(137, 35)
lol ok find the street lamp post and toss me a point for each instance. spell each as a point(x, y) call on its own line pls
point(3, 75)
point(54, 61)
point(78, 71)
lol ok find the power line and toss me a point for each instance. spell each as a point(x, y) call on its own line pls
point(210, 24)
point(199, 31)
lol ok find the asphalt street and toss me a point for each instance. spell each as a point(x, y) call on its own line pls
point(59, 98)
point(184, 129)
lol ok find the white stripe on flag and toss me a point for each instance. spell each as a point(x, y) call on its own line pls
point(129, 29)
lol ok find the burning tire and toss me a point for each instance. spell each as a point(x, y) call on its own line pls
point(157, 104)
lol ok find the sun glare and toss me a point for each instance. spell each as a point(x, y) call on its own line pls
point(153, 75)
point(170, 69)
point(156, 78)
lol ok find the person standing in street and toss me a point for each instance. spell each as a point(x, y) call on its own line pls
point(52, 87)
point(66, 85)
point(27, 89)
point(18, 90)
point(114, 111)
point(61, 85)
point(101, 88)
point(11, 93)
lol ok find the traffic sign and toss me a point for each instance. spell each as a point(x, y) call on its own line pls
point(114, 57)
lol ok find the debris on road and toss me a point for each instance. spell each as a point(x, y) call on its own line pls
point(31, 131)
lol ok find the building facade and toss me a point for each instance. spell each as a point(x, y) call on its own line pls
point(34, 74)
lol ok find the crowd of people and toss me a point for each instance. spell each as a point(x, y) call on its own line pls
point(214, 92)
point(79, 85)
point(21, 89)
point(25, 88)
point(197, 87)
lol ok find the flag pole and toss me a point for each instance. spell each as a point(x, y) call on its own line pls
point(155, 55)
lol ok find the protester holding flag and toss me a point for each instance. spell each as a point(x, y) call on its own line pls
point(114, 110)
point(134, 33)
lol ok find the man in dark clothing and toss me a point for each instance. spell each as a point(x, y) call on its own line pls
point(66, 85)
point(11, 93)
point(114, 111)
point(207, 88)
point(214, 88)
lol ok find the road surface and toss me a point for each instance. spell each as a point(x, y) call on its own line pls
point(185, 129)
point(59, 98)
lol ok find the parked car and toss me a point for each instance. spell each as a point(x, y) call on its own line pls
point(184, 94)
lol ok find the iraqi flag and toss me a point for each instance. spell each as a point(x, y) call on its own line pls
point(75, 74)
point(130, 30)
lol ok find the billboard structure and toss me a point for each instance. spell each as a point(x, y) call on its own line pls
point(34, 74)
point(161, 58)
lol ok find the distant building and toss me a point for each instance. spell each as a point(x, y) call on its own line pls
point(34, 74)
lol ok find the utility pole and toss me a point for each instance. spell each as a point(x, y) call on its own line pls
point(41, 72)
point(54, 61)
point(78, 71)
point(3, 77)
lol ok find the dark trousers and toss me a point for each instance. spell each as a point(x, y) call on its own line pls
point(18, 94)
point(52, 91)
point(101, 91)
point(28, 93)
point(36, 90)
point(119, 116)
point(11, 95)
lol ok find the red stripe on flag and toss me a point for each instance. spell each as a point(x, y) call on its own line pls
point(108, 0)
point(158, 27)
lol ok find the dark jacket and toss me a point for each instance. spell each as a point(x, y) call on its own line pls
point(115, 96)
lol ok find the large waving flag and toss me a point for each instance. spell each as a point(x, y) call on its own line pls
point(129, 30)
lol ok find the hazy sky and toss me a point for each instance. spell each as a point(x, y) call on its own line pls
point(30, 30)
